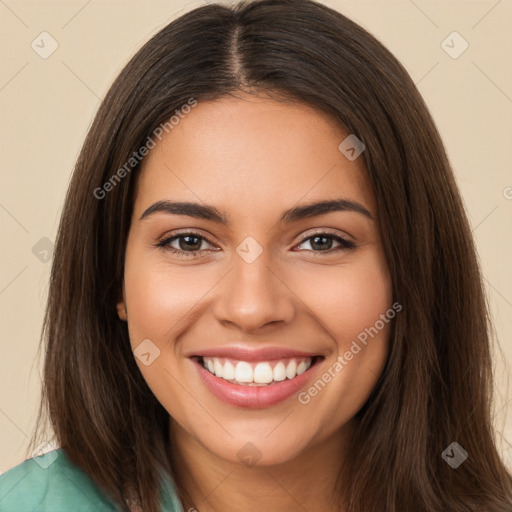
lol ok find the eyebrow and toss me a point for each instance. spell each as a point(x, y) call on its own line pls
point(211, 213)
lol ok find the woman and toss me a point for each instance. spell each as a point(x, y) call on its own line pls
point(265, 292)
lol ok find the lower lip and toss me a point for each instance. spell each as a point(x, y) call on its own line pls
point(255, 397)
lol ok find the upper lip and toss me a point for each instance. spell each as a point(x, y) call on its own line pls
point(241, 353)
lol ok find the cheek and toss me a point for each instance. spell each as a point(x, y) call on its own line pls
point(348, 299)
point(161, 299)
point(349, 302)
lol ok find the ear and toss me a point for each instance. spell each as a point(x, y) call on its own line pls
point(121, 305)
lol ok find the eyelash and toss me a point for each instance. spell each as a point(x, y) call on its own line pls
point(164, 244)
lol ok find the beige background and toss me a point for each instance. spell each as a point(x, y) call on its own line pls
point(47, 106)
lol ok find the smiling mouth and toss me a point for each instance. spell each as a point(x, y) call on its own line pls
point(261, 373)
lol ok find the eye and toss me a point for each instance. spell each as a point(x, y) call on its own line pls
point(322, 242)
point(189, 244)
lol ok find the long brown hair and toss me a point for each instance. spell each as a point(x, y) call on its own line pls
point(436, 387)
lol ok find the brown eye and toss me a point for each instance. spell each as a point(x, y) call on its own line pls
point(323, 242)
point(188, 244)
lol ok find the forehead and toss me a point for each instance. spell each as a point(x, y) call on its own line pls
point(251, 153)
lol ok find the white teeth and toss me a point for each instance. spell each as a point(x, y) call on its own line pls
point(255, 374)
point(301, 368)
point(263, 373)
point(229, 371)
point(218, 368)
point(243, 372)
point(279, 372)
point(291, 369)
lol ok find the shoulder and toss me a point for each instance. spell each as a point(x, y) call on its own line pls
point(50, 483)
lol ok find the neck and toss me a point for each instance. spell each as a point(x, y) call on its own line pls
point(308, 482)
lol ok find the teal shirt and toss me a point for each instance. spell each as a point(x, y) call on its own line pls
point(52, 483)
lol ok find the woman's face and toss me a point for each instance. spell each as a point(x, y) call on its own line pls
point(289, 310)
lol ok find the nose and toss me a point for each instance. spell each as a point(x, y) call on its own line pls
point(253, 295)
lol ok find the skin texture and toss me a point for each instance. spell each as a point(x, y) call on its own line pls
point(252, 158)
